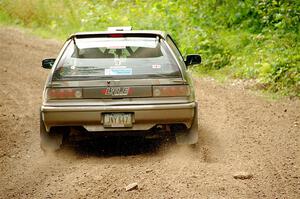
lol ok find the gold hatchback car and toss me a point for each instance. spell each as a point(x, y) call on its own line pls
point(119, 82)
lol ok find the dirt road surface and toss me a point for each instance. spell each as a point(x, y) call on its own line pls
point(240, 132)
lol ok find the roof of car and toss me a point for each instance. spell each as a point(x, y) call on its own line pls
point(138, 33)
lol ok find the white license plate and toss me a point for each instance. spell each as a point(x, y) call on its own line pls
point(117, 120)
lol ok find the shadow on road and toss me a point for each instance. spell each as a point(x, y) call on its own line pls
point(115, 146)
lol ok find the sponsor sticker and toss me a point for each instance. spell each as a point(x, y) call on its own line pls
point(156, 66)
point(117, 91)
point(118, 71)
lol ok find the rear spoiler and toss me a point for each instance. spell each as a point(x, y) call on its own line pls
point(117, 34)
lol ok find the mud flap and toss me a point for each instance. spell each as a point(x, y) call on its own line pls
point(49, 142)
point(189, 136)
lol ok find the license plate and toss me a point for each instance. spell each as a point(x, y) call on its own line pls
point(117, 120)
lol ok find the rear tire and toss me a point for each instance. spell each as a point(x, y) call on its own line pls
point(50, 141)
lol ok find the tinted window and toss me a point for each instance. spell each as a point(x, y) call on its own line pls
point(108, 58)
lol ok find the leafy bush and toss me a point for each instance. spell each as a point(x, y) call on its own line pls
point(282, 75)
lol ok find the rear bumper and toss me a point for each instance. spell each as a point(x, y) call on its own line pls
point(144, 116)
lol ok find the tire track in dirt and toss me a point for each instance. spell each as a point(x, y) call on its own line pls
point(239, 132)
point(247, 149)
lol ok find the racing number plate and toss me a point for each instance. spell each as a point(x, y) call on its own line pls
point(117, 120)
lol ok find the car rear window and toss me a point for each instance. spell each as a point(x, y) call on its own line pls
point(116, 58)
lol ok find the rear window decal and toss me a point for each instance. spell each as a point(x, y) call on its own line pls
point(156, 66)
point(118, 71)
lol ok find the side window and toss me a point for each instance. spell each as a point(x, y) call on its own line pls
point(174, 48)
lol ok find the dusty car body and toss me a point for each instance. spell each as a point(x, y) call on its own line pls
point(119, 82)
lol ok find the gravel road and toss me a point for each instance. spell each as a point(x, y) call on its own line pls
point(248, 148)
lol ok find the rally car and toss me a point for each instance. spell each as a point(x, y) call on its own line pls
point(119, 82)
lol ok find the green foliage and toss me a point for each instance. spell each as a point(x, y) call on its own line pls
point(259, 15)
point(252, 39)
point(282, 75)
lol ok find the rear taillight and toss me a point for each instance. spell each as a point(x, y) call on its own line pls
point(64, 93)
point(171, 91)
